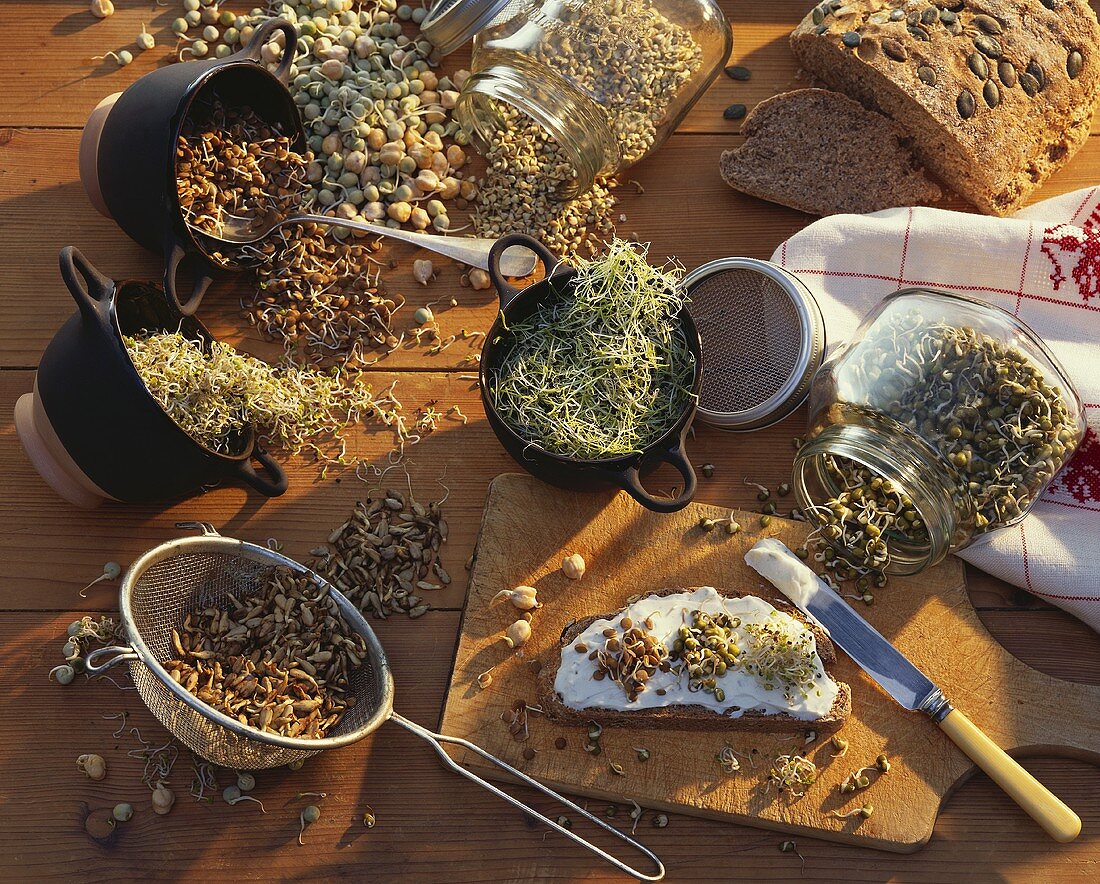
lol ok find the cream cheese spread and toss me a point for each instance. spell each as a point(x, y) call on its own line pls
point(774, 561)
point(743, 691)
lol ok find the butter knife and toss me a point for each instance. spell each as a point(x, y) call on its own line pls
point(910, 687)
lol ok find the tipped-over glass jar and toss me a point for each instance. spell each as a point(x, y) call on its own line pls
point(607, 80)
point(943, 419)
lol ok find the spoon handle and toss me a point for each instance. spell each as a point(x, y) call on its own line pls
point(474, 251)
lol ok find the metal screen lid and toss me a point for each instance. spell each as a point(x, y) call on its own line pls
point(452, 23)
point(763, 339)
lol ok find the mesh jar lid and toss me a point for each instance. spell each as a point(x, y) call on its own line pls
point(763, 339)
point(452, 23)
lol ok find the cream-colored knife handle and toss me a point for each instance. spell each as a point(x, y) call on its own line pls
point(1061, 823)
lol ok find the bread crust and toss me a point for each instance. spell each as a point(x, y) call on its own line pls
point(1015, 137)
point(801, 148)
point(693, 717)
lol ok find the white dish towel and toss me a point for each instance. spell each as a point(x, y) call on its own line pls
point(1042, 265)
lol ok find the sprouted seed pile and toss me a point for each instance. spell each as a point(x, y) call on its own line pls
point(278, 661)
point(604, 371)
point(384, 149)
point(526, 171)
point(317, 297)
point(986, 407)
point(234, 169)
point(653, 58)
point(386, 555)
point(792, 773)
point(214, 393)
point(864, 513)
point(631, 657)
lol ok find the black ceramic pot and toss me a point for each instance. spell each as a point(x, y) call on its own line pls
point(567, 472)
point(128, 149)
point(93, 430)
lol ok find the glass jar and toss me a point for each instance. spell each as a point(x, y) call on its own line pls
point(607, 80)
point(943, 419)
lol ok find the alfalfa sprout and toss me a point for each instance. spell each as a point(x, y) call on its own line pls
point(214, 393)
point(605, 370)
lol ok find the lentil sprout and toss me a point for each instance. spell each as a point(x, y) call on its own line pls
point(984, 405)
point(607, 370)
point(230, 162)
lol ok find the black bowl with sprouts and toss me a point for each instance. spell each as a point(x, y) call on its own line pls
point(590, 377)
point(91, 427)
point(128, 149)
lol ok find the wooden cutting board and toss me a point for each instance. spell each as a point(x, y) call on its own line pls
point(528, 527)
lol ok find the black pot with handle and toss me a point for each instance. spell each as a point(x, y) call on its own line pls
point(91, 427)
point(128, 149)
point(561, 470)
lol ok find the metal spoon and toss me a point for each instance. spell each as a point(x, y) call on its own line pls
point(516, 261)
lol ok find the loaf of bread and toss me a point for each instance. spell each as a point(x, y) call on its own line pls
point(691, 716)
point(995, 94)
point(821, 152)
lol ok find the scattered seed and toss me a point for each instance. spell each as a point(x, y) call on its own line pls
point(735, 112)
point(738, 72)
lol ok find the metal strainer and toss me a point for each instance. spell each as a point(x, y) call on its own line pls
point(763, 339)
point(193, 573)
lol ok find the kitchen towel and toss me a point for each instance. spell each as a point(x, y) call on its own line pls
point(1042, 265)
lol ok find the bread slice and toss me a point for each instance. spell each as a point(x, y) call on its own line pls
point(995, 94)
point(693, 717)
point(822, 153)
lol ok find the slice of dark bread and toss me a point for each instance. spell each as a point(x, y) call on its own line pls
point(693, 717)
point(995, 94)
point(823, 153)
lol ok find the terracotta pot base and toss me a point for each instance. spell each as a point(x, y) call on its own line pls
point(49, 457)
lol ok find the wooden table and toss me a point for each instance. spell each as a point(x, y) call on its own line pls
point(431, 824)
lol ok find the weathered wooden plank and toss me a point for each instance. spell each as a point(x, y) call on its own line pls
point(686, 211)
point(67, 83)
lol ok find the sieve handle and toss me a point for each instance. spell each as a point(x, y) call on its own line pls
point(437, 739)
point(122, 654)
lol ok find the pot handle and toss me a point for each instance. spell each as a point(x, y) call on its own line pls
point(93, 294)
point(262, 35)
point(631, 481)
point(507, 292)
point(204, 275)
point(271, 486)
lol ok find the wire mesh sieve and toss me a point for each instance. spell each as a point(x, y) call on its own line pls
point(763, 339)
point(194, 573)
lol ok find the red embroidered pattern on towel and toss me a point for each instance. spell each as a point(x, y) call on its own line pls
point(1081, 477)
point(1065, 244)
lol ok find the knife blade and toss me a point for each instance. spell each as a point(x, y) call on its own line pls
point(903, 681)
point(892, 671)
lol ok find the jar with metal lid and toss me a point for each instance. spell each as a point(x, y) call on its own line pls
point(607, 80)
point(943, 419)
